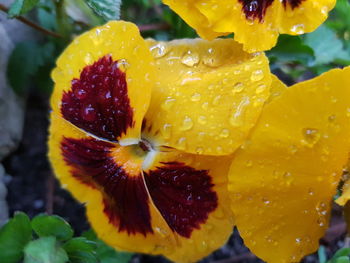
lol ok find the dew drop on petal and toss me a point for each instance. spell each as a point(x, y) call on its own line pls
point(187, 124)
point(89, 113)
point(181, 143)
point(202, 120)
point(311, 136)
point(224, 133)
point(238, 87)
point(196, 96)
point(159, 50)
point(168, 103)
point(190, 59)
point(298, 29)
point(257, 75)
point(166, 131)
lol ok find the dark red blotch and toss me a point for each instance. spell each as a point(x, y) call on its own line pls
point(98, 101)
point(125, 198)
point(183, 195)
point(256, 9)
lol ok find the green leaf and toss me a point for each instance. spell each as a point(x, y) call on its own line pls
point(24, 62)
point(291, 49)
point(106, 254)
point(13, 238)
point(327, 46)
point(342, 259)
point(45, 250)
point(45, 225)
point(342, 252)
point(107, 9)
point(80, 250)
point(20, 7)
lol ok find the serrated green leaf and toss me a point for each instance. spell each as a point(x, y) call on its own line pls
point(14, 236)
point(107, 9)
point(106, 254)
point(20, 7)
point(45, 225)
point(327, 46)
point(80, 250)
point(45, 250)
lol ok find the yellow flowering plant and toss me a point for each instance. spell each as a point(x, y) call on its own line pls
point(170, 144)
point(255, 23)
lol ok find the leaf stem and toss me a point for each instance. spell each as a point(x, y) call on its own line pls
point(31, 24)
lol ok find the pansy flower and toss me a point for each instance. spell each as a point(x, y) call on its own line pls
point(282, 181)
point(255, 23)
point(142, 132)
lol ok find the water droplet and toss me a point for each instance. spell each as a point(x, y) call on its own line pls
point(162, 232)
point(181, 143)
point(205, 105)
point(311, 136)
point(80, 94)
point(298, 29)
point(224, 133)
point(216, 100)
point(238, 87)
point(199, 150)
point(166, 131)
point(298, 240)
point(196, 97)
point(190, 59)
point(168, 103)
point(260, 89)
point(89, 113)
point(266, 201)
point(202, 246)
point(123, 64)
point(202, 120)
point(187, 124)
point(249, 163)
point(331, 118)
point(238, 117)
point(88, 59)
point(257, 75)
point(159, 50)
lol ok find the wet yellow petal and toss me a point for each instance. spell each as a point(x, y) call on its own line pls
point(193, 17)
point(109, 71)
point(257, 29)
point(208, 95)
point(176, 207)
point(282, 181)
point(215, 227)
point(95, 197)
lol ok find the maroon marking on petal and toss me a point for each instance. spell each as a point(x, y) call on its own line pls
point(183, 195)
point(125, 198)
point(256, 9)
point(98, 102)
point(292, 3)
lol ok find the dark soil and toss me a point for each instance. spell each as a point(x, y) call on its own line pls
point(33, 189)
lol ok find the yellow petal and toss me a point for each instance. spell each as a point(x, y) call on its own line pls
point(103, 82)
point(209, 226)
point(97, 198)
point(176, 207)
point(208, 95)
point(257, 30)
point(282, 181)
point(193, 17)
